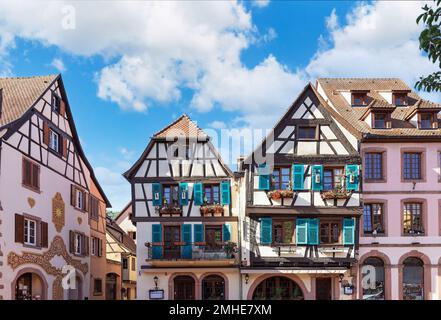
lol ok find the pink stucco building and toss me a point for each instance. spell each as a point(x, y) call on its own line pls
point(400, 144)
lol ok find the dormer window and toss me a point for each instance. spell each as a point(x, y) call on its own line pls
point(399, 98)
point(427, 120)
point(359, 99)
point(381, 120)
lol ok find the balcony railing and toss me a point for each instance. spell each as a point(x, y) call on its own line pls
point(191, 251)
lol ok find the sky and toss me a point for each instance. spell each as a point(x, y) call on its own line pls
point(131, 68)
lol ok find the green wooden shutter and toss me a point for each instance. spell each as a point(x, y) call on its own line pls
point(301, 231)
point(198, 194)
point(352, 170)
point(264, 177)
point(317, 177)
point(226, 232)
point(266, 230)
point(298, 173)
point(198, 230)
point(348, 230)
point(225, 192)
point(313, 231)
point(157, 237)
point(183, 193)
point(157, 194)
point(186, 237)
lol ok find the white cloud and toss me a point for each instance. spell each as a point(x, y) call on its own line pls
point(260, 3)
point(58, 64)
point(217, 125)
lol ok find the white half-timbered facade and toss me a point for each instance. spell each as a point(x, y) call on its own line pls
point(185, 214)
point(302, 206)
point(48, 193)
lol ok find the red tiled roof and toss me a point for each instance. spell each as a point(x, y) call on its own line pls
point(183, 126)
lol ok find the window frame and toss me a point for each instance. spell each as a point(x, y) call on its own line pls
point(364, 98)
point(280, 176)
point(281, 222)
point(300, 138)
point(394, 99)
point(383, 207)
point(330, 222)
point(333, 175)
point(211, 186)
point(95, 291)
point(53, 133)
point(386, 120)
point(172, 187)
point(422, 168)
point(56, 103)
point(34, 173)
point(26, 232)
point(423, 216)
point(78, 244)
point(372, 164)
point(216, 246)
point(420, 120)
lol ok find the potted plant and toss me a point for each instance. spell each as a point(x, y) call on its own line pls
point(275, 194)
point(230, 248)
point(337, 193)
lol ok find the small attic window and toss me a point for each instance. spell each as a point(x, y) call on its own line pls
point(381, 120)
point(426, 120)
point(359, 99)
point(399, 98)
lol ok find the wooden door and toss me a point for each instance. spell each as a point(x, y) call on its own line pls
point(184, 288)
point(172, 234)
point(323, 288)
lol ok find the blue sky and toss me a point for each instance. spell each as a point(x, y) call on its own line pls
point(132, 68)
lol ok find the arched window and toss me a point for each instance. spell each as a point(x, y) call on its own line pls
point(184, 288)
point(213, 288)
point(373, 284)
point(413, 279)
point(278, 288)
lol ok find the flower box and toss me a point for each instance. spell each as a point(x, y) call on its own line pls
point(335, 194)
point(212, 210)
point(170, 210)
point(280, 194)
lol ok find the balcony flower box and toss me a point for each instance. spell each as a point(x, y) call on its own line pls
point(212, 210)
point(280, 194)
point(170, 210)
point(335, 194)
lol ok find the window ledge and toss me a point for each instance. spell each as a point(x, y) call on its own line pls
point(31, 188)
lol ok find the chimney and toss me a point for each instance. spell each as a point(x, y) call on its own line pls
point(240, 160)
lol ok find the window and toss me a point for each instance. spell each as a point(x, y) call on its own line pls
point(329, 232)
point(80, 199)
point(97, 286)
point(133, 264)
point(132, 234)
point(426, 120)
point(30, 232)
point(333, 178)
point(412, 165)
point(281, 179)
point(54, 140)
point(170, 195)
point(125, 263)
point(213, 288)
point(413, 279)
point(78, 244)
point(56, 103)
point(380, 120)
point(375, 290)
point(213, 237)
point(96, 247)
point(94, 207)
point(359, 99)
point(373, 218)
point(283, 232)
point(31, 174)
point(211, 194)
point(181, 151)
point(373, 164)
point(399, 98)
point(413, 218)
point(308, 133)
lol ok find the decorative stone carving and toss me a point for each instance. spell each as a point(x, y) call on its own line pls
point(31, 202)
point(57, 248)
point(58, 215)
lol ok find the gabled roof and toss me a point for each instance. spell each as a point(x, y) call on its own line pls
point(336, 87)
point(183, 126)
point(120, 236)
point(20, 94)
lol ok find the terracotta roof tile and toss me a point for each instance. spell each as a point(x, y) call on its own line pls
point(183, 126)
point(19, 94)
point(336, 87)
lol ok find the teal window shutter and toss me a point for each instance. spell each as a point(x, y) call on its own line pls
point(225, 192)
point(352, 177)
point(301, 231)
point(198, 194)
point(348, 230)
point(298, 173)
point(313, 231)
point(264, 177)
point(157, 237)
point(226, 232)
point(266, 230)
point(183, 193)
point(157, 194)
point(198, 230)
point(317, 177)
point(186, 237)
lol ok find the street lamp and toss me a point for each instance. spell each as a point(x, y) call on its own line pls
point(155, 279)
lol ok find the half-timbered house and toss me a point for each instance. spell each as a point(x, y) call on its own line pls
point(300, 222)
point(186, 217)
point(48, 194)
